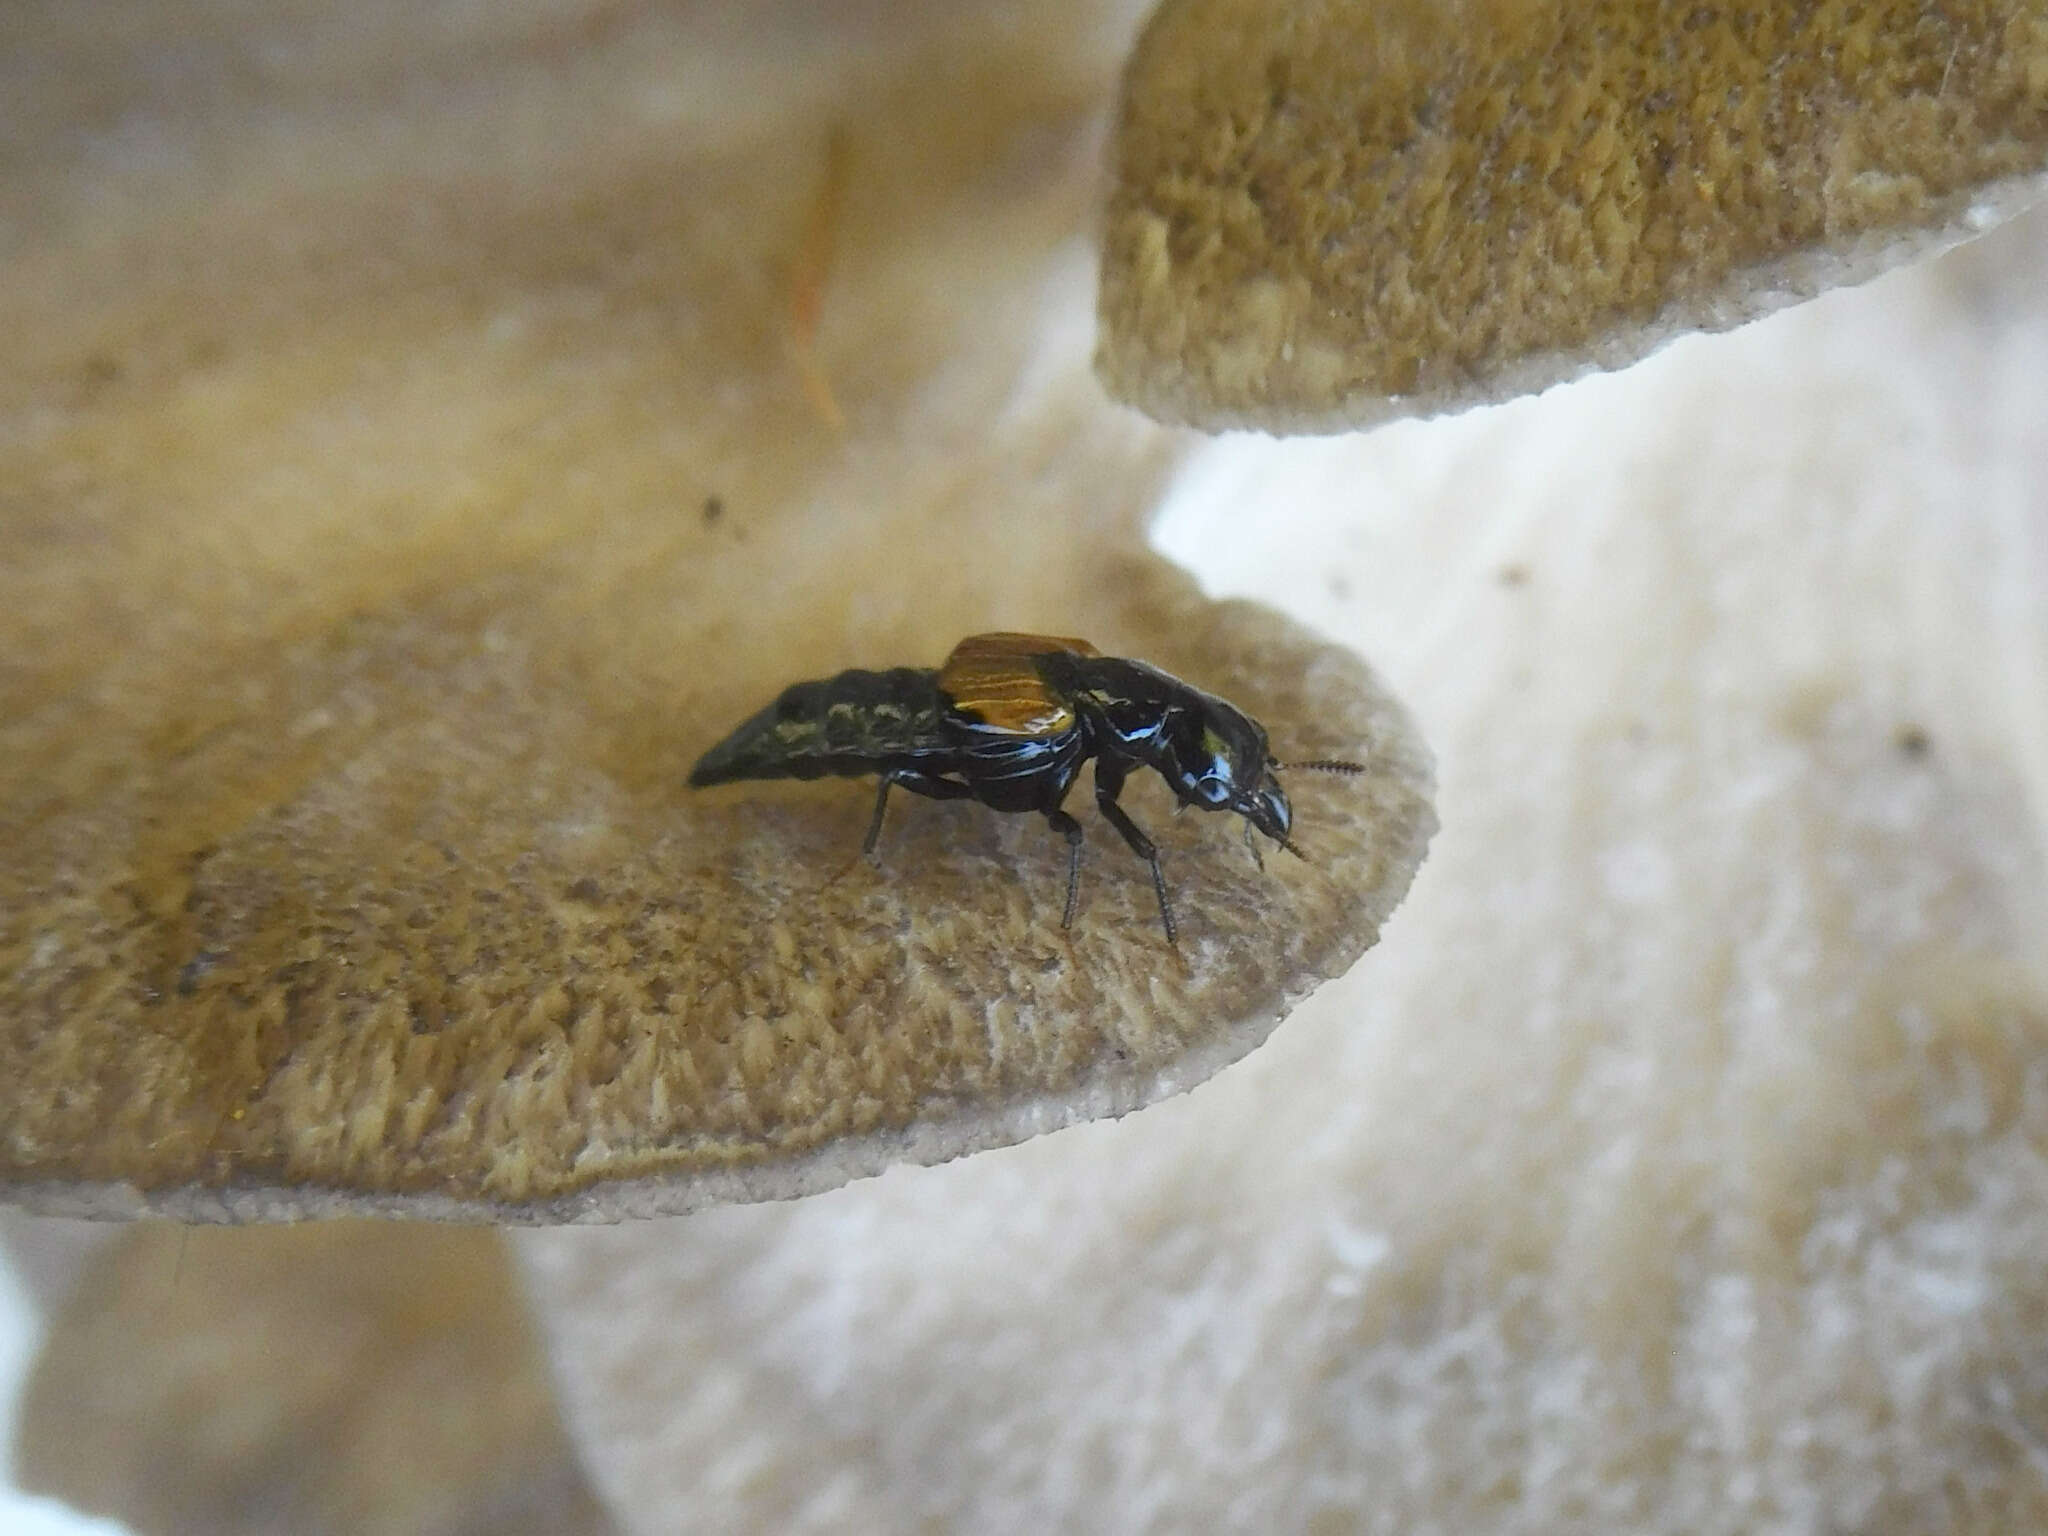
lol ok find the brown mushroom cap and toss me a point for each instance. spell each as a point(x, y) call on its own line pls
point(363, 617)
point(1327, 212)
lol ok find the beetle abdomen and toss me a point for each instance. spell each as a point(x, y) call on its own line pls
point(847, 725)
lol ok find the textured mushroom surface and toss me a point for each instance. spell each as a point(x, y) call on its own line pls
point(402, 493)
point(350, 1378)
point(1679, 1164)
point(1331, 211)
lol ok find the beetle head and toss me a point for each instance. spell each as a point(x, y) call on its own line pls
point(1221, 763)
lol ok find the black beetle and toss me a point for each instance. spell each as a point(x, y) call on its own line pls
point(1008, 721)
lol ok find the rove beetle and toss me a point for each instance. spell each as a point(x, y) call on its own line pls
point(1008, 721)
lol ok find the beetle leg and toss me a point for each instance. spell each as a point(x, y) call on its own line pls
point(1250, 842)
point(1107, 787)
point(874, 837)
point(929, 785)
point(1070, 829)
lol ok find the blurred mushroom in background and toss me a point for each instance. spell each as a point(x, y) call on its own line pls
point(345, 1377)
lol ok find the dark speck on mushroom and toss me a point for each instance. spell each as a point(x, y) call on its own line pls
point(196, 968)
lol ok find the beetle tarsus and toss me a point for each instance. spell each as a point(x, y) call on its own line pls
point(1109, 782)
point(1070, 829)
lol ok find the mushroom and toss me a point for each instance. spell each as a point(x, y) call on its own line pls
point(1328, 212)
point(1645, 1186)
point(354, 1378)
point(366, 615)
point(413, 461)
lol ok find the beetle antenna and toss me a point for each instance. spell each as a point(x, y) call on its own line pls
point(1293, 850)
point(1323, 765)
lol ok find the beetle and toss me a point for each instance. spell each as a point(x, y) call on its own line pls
point(1008, 720)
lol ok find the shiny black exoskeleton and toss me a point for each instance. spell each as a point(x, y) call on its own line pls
point(1008, 721)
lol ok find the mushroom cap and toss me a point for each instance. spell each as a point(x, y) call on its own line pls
point(1327, 212)
point(405, 510)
